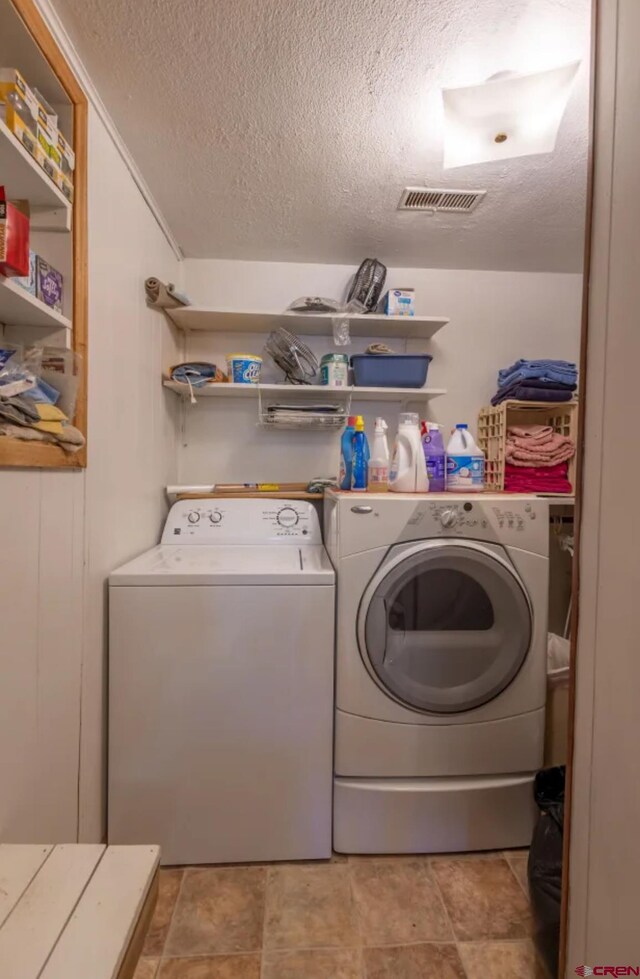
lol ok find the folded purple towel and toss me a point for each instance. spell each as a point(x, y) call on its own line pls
point(526, 391)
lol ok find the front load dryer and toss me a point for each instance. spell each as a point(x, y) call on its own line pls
point(440, 670)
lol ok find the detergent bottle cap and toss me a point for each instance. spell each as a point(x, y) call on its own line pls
point(462, 426)
point(381, 425)
point(408, 418)
point(359, 423)
point(351, 421)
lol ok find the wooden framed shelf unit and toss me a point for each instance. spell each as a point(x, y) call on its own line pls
point(59, 228)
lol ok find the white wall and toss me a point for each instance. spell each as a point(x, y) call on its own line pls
point(61, 533)
point(132, 422)
point(496, 317)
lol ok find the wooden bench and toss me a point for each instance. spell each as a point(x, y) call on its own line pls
point(75, 911)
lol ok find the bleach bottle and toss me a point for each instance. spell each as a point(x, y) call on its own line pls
point(360, 461)
point(434, 455)
point(346, 454)
point(408, 469)
point(379, 461)
point(465, 463)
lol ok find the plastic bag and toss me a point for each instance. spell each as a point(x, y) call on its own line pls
point(61, 370)
point(18, 369)
point(339, 322)
point(545, 864)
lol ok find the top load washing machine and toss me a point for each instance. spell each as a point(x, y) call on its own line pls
point(440, 670)
point(221, 673)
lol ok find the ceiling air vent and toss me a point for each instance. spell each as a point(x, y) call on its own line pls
point(430, 199)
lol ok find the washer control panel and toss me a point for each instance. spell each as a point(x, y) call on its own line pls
point(241, 521)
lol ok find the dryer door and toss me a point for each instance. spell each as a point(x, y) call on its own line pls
point(445, 626)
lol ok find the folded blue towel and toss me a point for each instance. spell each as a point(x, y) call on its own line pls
point(560, 371)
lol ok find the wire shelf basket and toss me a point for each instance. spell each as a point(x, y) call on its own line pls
point(303, 419)
point(301, 414)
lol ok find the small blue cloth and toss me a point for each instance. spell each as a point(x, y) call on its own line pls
point(558, 371)
point(194, 373)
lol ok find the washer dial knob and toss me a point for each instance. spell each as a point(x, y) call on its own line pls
point(448, 518)
point(215, 517)
point(193, 516)
point(287, 517)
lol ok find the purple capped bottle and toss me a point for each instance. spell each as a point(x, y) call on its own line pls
point(434, 455)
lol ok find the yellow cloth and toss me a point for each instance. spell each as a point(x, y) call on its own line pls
point(49, 413)
point(51, 419)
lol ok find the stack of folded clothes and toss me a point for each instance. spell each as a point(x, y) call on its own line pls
point(536, 380)
point(537, 460)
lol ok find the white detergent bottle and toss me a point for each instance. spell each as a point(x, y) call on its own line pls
point(379, 461)
point(408, 472)
point(465, 463)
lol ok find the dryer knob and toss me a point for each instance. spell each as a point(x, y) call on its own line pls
point(448, 518)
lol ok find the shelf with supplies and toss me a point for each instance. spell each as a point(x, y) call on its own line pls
point(28, 181)
point(20, 308)
point(305, 324)
point(314, 390)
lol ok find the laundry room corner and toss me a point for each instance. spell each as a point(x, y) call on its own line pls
point(311, 642)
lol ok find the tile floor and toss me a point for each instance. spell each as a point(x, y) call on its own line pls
point(442, 917)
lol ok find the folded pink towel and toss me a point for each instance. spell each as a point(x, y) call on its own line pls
point(533, 433)
point(537, 445)
point(551, 443)
point(518, 456)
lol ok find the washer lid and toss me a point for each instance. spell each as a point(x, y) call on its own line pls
point(219, 564)
point(445, 626)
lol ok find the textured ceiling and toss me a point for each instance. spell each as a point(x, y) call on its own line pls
point(286, 129)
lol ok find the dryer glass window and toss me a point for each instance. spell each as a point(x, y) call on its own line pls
point(447, 628)
point(442, 599)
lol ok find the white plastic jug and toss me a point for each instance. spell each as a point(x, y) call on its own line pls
point(408, 473)
point(465, 463)
point(379, 461)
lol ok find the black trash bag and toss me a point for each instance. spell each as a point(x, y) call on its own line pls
point(545, 864)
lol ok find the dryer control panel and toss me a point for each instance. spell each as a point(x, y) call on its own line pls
point(242, 521)
point(356, 525)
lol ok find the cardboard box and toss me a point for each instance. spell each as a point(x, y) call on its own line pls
point(28, 282)
point(50, 117)
point(20, 108)
point(66, 187)
point(12, 81)
point(400, 302)
point(68, 164)
point(49, 283)
point(14, 236)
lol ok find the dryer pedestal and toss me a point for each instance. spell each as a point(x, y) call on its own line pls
point(432, 815)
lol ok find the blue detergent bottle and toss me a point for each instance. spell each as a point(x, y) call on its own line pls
point(360, 466)
point(346, 454)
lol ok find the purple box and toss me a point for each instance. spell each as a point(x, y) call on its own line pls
point(48, 284)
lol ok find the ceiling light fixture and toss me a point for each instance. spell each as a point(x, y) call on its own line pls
point(508, 115)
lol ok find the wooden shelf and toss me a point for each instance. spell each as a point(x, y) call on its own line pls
point(305, 324)
point(19, 308)
point(252, 495)
point(30, 454)
point(24, 179)
point(314, 390)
